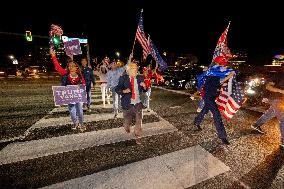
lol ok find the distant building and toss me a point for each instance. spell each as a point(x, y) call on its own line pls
point(277, 62)
point(239, 58)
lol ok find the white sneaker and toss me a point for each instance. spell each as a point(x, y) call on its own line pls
point(257, 128)
point(82, 128)
point(75, 126)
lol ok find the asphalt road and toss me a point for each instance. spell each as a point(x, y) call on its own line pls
point(255, 160)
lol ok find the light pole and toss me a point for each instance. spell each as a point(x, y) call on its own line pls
point(117, 54)
point(14, 60)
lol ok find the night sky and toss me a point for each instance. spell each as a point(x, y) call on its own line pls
point(176, 26)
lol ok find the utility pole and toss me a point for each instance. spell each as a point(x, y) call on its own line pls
point(88, 55)
point(87, 46)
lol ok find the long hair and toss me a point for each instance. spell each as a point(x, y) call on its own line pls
point(103, 69)
point(79, 71)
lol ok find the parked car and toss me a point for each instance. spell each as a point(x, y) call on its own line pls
point(5, 72)
point(34, 70)
point(185, 79)
point(167, 77)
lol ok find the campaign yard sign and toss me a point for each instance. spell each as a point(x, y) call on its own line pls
point(72, 47)
point(69, 94)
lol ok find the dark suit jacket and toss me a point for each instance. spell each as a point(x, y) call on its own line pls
point(124, 83)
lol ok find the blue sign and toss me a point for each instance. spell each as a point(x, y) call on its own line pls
point(81, 40)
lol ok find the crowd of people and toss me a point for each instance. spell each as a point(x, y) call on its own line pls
point(131, 92)
point(129, 89)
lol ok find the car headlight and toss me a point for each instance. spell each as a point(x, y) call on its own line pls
point(34, 71)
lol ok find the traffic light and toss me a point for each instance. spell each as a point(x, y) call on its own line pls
point(56, 40)
point(29, 36)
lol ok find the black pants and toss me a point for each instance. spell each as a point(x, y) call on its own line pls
point(210, 105)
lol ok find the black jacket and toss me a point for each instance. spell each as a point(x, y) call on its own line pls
point(124, 83)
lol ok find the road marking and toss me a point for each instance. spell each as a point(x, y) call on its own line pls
point(179, 170)
point(20, 151)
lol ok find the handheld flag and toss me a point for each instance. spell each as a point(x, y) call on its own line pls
point(140, 36)
point(156, 55)
point(222, 48)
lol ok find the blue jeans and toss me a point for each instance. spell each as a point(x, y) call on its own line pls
point(276, 110)
point(147, 98)
point(116, 104)
point(201, 103)
point(76, 110)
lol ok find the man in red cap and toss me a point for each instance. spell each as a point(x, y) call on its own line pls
point(211, 82)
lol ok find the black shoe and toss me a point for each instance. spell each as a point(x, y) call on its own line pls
point(225, 141)
point(257, 128)
point(198, 128)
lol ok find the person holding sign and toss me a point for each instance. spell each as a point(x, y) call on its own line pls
point(72, 75)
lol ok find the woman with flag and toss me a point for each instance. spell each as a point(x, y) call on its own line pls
point(211, 82)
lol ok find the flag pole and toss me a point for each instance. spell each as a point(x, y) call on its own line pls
point(135, 37)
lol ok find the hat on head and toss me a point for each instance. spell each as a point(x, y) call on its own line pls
point(221, 60)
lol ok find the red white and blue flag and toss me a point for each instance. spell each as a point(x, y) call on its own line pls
point(230, 99)
point(140, 36)
point(222, 47)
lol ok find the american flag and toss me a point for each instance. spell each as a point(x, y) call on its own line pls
point(140, 36)
point(230, 99)
point(156, 55)
point(222, 48)
point(56, 30)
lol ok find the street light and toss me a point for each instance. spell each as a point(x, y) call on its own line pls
point(117, 54)
point(11, 57)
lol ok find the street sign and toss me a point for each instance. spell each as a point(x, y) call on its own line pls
point(15, 61)
point(81, 40)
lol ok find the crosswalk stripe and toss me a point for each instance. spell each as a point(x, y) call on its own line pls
point(51, 122)
point(100, 100)
point(180, 169)
point(43, 147)
point(65, 108)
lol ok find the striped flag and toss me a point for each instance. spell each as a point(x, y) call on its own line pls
point(222, 47)
point(140, 36)
point(56, 30)
point(230, 99)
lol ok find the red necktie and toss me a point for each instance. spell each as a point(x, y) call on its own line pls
point(132, 88)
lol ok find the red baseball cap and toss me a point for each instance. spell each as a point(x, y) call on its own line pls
point(221, 60)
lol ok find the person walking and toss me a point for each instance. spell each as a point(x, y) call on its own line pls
point(72, 75)
point(275, 87)
point(212, 81)
point(89, 79)
point(131, 87)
